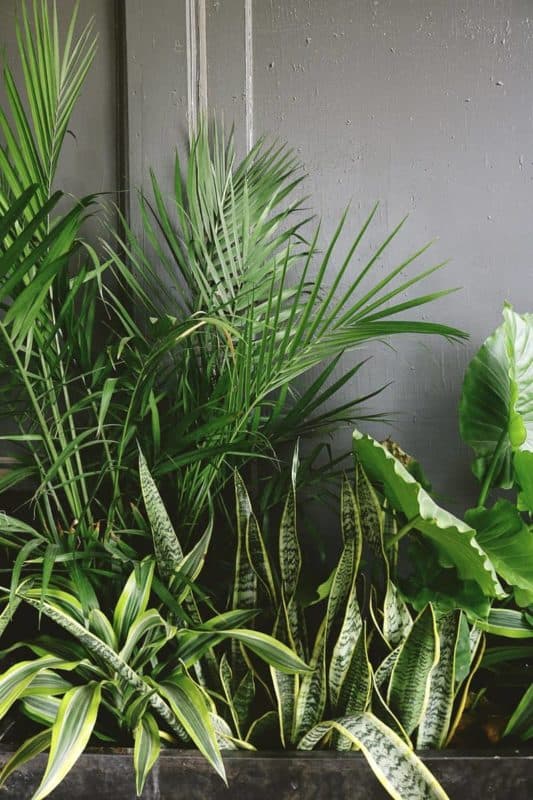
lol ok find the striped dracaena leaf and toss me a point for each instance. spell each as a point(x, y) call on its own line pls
point(435, 721)
point(112, 659)
point(15, 681)
point(70, 734)
point(29, 749)
point(168, 552)
point(393, 762)
point(409, 684)
point(370, 513)
point(190, 705)
point(343, 648)
point(147, 746)
point(41, 709)
point(47, 682)
point(397, 621)
point(133, 600)
point(146, 623)
point(311, 699)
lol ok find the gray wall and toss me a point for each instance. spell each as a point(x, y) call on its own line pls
point(425, 105)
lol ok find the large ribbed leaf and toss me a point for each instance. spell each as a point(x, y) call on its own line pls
point(453, 539)
point(70, 734)
point(435, 721)
point(167, 548)
point(410, 678)
point(496, 410)
point(392, 761)
point(146, 749)
point(133, 600)
point(508, 541)
point(507, 622)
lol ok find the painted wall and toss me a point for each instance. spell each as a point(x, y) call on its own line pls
point(424, 105)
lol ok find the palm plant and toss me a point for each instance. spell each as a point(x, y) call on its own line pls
point(230, 243)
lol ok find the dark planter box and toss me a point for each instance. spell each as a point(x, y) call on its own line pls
point(273, 776)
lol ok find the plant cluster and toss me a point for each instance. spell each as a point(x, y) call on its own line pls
point(150, 395)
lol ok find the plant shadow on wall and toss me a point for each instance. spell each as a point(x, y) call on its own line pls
point(141, 405)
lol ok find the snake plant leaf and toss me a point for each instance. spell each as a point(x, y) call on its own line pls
point(381, 710)
point(397, 621)
point(453, 539)
point(507, 540)
point(343, 648)
point(436, 719)
point(496, 409)
point(350, 521)
point(384, 670)
point(393, 762)
point(311, 700)
point(167, 548)
point(133, 600)
point(147, 746)
point(409, 685)
point(286, 689)
point(243, 699)
point(70, 734)
point(190, 705)
point(29, 749)
point(290, 558)
point(356, 688)
point(255, 546)
point(263, 730)
point(371, 515)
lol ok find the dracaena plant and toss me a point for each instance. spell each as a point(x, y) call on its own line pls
point(116, 663)
point(386, 675)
